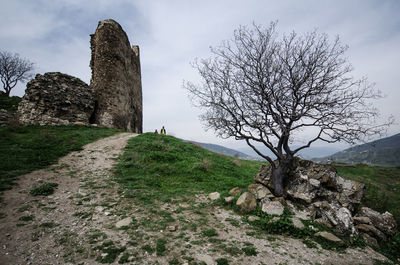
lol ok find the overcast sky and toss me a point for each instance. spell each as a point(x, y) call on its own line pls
point(171, 34)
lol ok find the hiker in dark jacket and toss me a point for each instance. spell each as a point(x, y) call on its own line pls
point(163, 130)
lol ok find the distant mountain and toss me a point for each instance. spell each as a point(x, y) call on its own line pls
point(384, 152)
point(225, 151)
point(308, 153)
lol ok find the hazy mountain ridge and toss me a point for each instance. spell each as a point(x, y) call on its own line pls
point(225, 151)
point(383, 152)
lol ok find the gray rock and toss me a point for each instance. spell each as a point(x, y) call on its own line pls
point(116, 78)
point(229, 199)
point(323, 222)
point(330, 237)
point(171, 228)
point(384, 222)
point(272, 207)
point(361, 220)
point(339, 217)
point(124, 222)
point(235, 191)
point(260, 191)
point(297, 223)
point(303, 213)
point(370, 240)
point(214, 196)
point(246, 202)
point(372, 231)
point(253, 218)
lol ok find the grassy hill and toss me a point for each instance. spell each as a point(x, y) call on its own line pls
point(158, 167)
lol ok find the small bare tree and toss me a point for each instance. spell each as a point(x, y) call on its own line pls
point(13, 69)
point(259, 88)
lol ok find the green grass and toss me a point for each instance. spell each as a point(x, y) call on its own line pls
point(9, 103)
point(24, 149)
point(44, 189)
point(159, 167)
point(382, 186)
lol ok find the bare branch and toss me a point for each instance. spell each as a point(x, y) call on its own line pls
point(13, 69)
point(261, 88)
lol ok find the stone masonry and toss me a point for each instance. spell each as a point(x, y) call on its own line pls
point(56, 99)
point(116, 78)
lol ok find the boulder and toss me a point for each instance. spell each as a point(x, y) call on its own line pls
point(116, 78)
point(124, 222)
point(301, 213)
point(264, 176)
point(260, 191)
point(300, 189)
point(214, 196)
point(323, 222)
point(361, 220)
point(384, 222)
point(372, 231)
point(330, 237)
point(297, 223)
point(339, 217)
point(370, 240)
point(246, 202)
point(229, 199)
point(235, 191)
point(253, 218)
point(56, 99)
point(271, 207)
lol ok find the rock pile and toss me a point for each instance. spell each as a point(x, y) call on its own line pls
point(316, 192)
point(56, 99)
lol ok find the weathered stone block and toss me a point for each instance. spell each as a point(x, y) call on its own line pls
point(116, 78)
point(246, 202)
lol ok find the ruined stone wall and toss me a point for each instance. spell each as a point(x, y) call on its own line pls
point(116, 78)
point(56, 99)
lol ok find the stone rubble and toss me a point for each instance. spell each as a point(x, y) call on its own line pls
point(316, 192)
point(56, 99)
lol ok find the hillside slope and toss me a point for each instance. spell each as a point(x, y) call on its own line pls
point(226, 151)
point(150, 208)
point(384, 152)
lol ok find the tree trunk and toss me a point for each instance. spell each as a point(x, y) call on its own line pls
point(279, 175)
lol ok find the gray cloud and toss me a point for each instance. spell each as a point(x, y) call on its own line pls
point(171, 34)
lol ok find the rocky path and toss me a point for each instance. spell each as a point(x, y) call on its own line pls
point(90, 220)
point(55, 221)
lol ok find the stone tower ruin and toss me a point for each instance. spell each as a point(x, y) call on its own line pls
point(116, 78)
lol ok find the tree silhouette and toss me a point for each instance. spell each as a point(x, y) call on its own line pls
point(277, 91)
point(13, 69)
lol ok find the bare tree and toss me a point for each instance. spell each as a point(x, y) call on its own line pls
point(277, 91)
point(13, 69)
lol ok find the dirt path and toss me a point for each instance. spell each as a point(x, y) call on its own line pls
point(81, 223)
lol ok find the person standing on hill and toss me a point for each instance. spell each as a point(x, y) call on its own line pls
point(163, 131)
